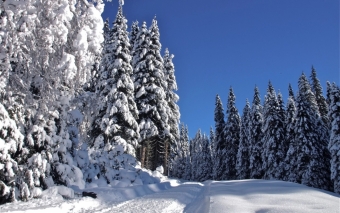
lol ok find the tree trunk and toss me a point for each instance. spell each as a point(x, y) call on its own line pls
point(142, 154)
point(166, 157)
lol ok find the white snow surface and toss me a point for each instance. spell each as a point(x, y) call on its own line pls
point(173, 195)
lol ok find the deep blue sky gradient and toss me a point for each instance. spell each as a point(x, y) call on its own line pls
point(239, 43)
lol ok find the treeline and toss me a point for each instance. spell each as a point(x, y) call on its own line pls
point(297, 142)
point(79, 98)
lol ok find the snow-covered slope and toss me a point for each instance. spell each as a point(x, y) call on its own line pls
point(174, 196)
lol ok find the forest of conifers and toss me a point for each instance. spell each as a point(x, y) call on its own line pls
point(82, 101)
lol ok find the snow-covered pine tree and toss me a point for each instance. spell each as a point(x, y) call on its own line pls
point(232, 134)
point(282, 117)
point(328, 93)
point(11, 146)
point(320, 99)
point(187, 170)
point(179, 163)
point(256, 122)
point(290, 162)
point(273, 136)
point(334, 142)
point(219, 165)
point(172, 99)
point(196, 155)
point(115, 129)
point(243, 154)
point(150, 97)
point(212, 139)
point(291, 92)
point(204, 167)
point(133, 35)
point(313, 162)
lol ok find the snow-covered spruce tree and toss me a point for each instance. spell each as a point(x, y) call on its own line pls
point(11, 146)
point(204, 166)
point(150, 97)
point(133, 35)
point(196, 150)
point(313, 161)
point(243, 154)
point(291, 92)
point(282, 116)
point(255, 137)
point(179, 162)
point(328, 93)
point(232, 134)
point(320, 99)
point(290, 162)
point(273, 136)
point(212, 139)
point(334, 142)
point(115, 129)
point(172, 99)
point(187, 170)
point(220, 145)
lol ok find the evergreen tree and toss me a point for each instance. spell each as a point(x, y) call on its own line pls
point(291, 92)
point(320, 99)
point(232, 132)
point(243, 154)
point(196, 156)
point(11, 149)
point(291, 157)
point(204, 168)
point(256, 122)
point(133, 35)
point(219, 166)
point(273, 136)
point(312, 158)
point(212, 139)
point(334, 142)
point(171, 98)
point(150, 97)
point(115, 129)
point(329, 89)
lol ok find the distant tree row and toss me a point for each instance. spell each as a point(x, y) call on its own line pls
point(299, 142)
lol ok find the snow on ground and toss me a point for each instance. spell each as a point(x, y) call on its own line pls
point(172, 196)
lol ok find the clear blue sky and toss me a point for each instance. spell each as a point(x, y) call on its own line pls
point(239, 43)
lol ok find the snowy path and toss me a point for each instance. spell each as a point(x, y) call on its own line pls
point(241, 196)
point(169, 201)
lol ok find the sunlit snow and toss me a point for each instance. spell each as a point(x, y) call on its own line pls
point(172, 195)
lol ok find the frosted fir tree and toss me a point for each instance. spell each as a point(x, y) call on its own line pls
point(179, 162)
point(11, 146)
point(334, 142)
point(204, 168)
point(115, 129)
point(219, 166)
point(256, 122)
point(150, 97)
point(273, 136)
point(212, 139)
point(313, 167)
point(282, 116)
point(328, 93)
point(172, 99)
point(196, 150)
point(133, 35)
point(291, 92)
point(289, 165)
point(232, 133)
point(320, 99)
point(243, 154)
